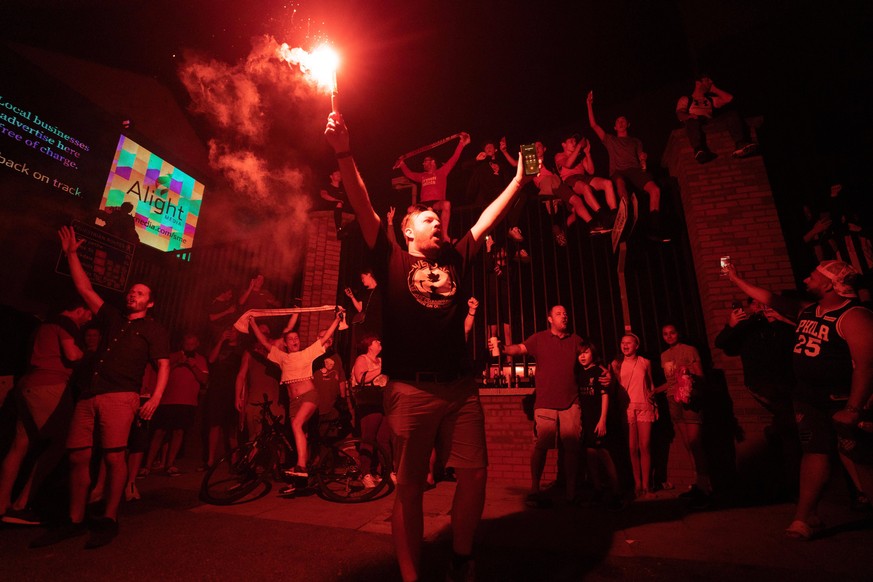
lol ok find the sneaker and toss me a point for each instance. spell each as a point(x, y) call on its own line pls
point(24, 516)
point(297, 471)
point(173, 472)
point(749, 149)
point(515, 234)
point(859, 503)
point(59, 533)
point(656, 232)
point(142, 473)
point(560, 237)
point(693, 492)
point(616, 503)
point(539, 500)
point(131, 493)
point(596, 228)
point(103, 531)
point(369, 482)
point(703, 156)
point(287, 491)
point(465, 572)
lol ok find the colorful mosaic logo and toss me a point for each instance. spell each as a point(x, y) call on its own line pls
point(166, 201)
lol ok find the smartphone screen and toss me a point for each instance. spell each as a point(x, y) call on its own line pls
point(529, 159)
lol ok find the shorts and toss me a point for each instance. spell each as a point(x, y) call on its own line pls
point(446, 416)
point(174, 416)
point(640, 412)
point(816, 428)
point(549, 423)
point(572, 180)
point(636, 176)
point(112, 412)
point(297, 401)
point(679, 413)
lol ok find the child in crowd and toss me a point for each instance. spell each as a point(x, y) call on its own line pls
point(594, 403)
point(634, 374)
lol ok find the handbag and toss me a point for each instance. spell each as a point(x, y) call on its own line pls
point(361, 316)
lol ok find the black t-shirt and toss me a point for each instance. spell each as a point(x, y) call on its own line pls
point(423, 317)
point(126, 348)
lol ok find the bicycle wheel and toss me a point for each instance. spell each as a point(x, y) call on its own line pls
point(236, 476)
point(340, 476)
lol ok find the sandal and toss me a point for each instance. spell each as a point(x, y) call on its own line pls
point(803, 531)
point(560, 237)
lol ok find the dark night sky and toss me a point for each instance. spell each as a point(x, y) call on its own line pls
point(414, 71)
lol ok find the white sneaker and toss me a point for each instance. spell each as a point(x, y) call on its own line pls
point(368, 482)
point(131, 493)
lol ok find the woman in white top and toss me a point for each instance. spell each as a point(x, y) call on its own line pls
point(634, 374)
point(296, 366)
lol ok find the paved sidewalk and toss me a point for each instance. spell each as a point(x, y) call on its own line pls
point(170, 535)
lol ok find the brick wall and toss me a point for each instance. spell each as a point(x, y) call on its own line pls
point(510, 437)
point(729, 210)
point(320, 273)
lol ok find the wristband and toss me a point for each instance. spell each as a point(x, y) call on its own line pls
point(343, 154)
point(471, 313)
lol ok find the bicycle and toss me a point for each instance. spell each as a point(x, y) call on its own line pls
point(247, 472)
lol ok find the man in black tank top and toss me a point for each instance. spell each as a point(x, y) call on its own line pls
point(833, 363)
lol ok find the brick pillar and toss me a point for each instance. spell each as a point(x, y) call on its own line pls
point(509, 435)
point(729, 210)
point(320, 273)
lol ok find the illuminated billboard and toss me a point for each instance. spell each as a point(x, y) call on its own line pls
point(165, 200)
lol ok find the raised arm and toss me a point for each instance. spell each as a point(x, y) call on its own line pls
point(472, 306)
point(720, 97)
point(359, 306)
point(766, 297)
point(262, 339)
point(462, 143)
point(337, 136)
point(340, 313)
point(70, 246)
point(292, 323)
point(495, 211)
point(512, 161)
point(591, 119)
point(240, 385)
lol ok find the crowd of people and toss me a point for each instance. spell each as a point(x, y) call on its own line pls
point(105, 387)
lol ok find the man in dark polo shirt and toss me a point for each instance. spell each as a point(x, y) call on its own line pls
point(110, 400)
point(556, 408)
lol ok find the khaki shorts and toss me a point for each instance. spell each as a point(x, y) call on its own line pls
point(112, 412)
point(446, 416)
point(549, 423)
